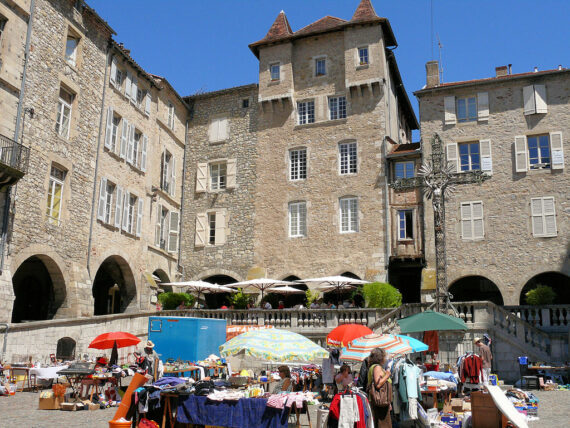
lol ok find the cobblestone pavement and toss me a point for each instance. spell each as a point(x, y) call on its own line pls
point(22, 411)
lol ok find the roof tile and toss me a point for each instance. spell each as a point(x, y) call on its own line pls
point(280, 28)
point(323, 24)
point(364, 11)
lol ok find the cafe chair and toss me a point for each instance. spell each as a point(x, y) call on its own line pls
point(527, 377)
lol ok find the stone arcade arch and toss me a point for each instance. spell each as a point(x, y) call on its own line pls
point(475, 288)
point(215, 300)
point(559, 282)
point(65, 349)
point(40, 290)
point(338, 298)
point(295, 299)
point(114, 287)
point(163, 277)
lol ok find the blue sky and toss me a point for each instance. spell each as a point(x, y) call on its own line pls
point(203, 45)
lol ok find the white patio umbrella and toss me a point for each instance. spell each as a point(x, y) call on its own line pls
point(199, 287)
point(285, 290)
point(260, 284)
point(330, 283)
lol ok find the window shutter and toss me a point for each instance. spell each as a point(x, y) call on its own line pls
point(223, 130)
point(102, 200)
point(128, 84)
point(449, 107)
point(131, 144)
point(157, 225)
point(113, 71)
point(134, 89)
point(143, 153)
point(549, 217)
point(200, 239)
point(486, 158)
point(173, 176)
point(139, 217)
point(231, 174)
point(118, 206)
point(528, 96)
point(124, 138)
point(173, 234)
point(466, 231)
point(213, 130)
point(540, 98)
point(220, 227)
point(452, 155)
point(109, 129)
point(147, 103)
point(483, 106)
point(126, 198)
point(556, 150)
point(536, 213)
point(477, 215)
point(520, 153)
point(201, 177)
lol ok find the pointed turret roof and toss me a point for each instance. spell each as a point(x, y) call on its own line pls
point(364, 11)
point(279, 29)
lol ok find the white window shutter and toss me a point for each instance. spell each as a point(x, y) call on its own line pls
point(131, 144)
point(134, 89)
point(213, 130)
point(528, 97)
point(220, 227)
point(173, 233)
point(483, 106)
point(118, 206)
point(466, 231)
point(113, 71)
point(540, 98)
point(231, 173)
point(102, 200)
point(109, 128)
point(549, 217)
point(173, 176)
point(449, 107)
point(477, 215)
point(537, 216)
point(224, 129)
point(200, 239)
point(157, 225)
point(124, 139)
point(521, 160)
point(128, 84)
point(147, 103)
point(486, 157)
point(126, 199)
point(201, 177)
point(139, 216)
point(452, 155)
point(143, 153)
point(556, 150)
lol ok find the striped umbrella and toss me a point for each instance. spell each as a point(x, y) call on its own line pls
point(360, 348)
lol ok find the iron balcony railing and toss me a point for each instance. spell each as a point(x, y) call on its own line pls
point(14, 155)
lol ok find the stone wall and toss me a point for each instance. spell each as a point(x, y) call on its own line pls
point(508, 255)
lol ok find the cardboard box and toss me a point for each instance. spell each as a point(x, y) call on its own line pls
point(70, 407)
point(49, 402)
point(457, 404)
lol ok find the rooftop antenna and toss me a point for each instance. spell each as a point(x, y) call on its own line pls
point(431, 27)
point(440, 47)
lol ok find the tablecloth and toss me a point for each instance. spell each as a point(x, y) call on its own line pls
point(46, 373)
point(244, 413)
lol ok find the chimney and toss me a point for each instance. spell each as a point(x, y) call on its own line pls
point(536, 69)
point(501, 71)
point(432, 74)
point(559, 66)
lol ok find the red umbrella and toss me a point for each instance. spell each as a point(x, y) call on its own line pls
point(107, 340)
point(341, 335)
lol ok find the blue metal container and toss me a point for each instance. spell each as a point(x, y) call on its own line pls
point(186, 339)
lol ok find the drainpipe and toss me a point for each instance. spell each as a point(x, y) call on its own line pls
point(387, 209)
point(6, 213)
point(107, 62)
point(180, 267)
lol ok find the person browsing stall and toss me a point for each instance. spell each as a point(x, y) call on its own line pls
point(486, 356)
point(152, 358)
point(284, 384)
point(377, 374)
point(344, 378)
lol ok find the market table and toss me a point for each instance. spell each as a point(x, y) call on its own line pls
point(563, 369)
point(195, 372)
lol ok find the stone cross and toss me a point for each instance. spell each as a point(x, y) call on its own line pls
point(437, 178)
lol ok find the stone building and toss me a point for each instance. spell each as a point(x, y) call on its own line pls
point(510, 233)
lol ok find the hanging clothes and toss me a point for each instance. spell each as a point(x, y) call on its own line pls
point(431, 338)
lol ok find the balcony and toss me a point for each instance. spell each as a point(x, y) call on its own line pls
point(14, 159)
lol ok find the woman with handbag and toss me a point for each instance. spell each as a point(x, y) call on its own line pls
point(379, 389)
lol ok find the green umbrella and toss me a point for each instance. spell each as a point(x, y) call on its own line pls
point(430, 320)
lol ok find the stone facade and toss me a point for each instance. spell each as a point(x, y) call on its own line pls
point(508, 250)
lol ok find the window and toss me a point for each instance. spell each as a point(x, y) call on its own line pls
point(210, 228)
point(112, 134)
point(539, 151)
point(109, 191)
point(363, 55)
point(117, 75)
point(218, 130)
point(469, 156)
point(115, 131)
point(64, 113)
point(245, 103)
point(55, 194)
point(337, 108)
point(71, 49)
point(168, 173)
point(404, 169)
point(348, 215)
point(466, 109)
point(171, 116)
point(163, 220)
point(472, 220)
point(275, 71)
point(543, 217)
point(348, 158)
point(534, 97)
point(306, 110)
point(218, 176)
point(320, 67)
point(137, 144)
point(298, 164)
point(105, 209)
point(2, 25)
point(140, 96)
point(129, 206)
point(297, 219)
point(405, 224)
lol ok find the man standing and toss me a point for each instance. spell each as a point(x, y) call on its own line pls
point(153, 360)
point(486, 357)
